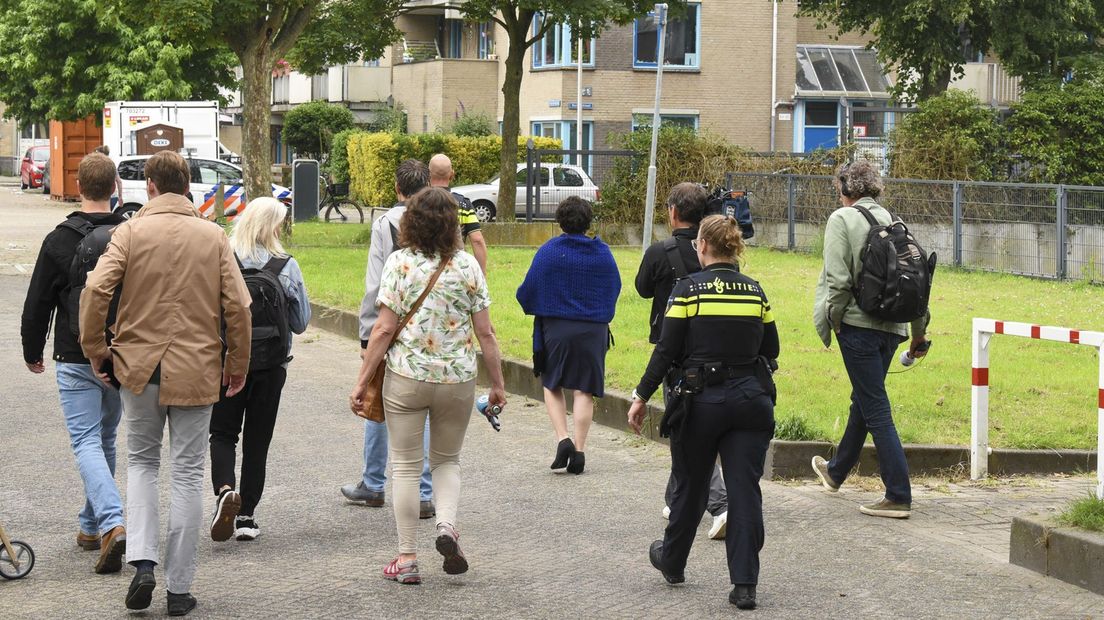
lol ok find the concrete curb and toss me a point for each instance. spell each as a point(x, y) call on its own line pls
point(785, 459)
point(1073, 555)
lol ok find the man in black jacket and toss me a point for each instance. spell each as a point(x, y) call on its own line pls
point(92, 408)
point(665, 262)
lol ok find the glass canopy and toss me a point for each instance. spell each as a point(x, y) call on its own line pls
point(833, 70)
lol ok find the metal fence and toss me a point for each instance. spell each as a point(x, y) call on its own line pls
point(551, 175)
point(1049, 231)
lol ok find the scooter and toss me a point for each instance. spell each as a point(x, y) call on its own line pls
point(16, 557)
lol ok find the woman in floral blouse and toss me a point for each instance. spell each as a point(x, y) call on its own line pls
point(430, 369)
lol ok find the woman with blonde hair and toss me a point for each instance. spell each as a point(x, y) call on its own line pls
point(720, 333)
point(280, 307)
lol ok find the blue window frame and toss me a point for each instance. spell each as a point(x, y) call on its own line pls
point(565, 131)
point(557, 49)
point(682, 46)
point(486, 40)
point(456, 38)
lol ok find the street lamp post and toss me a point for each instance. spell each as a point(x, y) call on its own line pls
point(649, 204)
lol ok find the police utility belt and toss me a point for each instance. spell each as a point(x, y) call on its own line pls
point(693, 379)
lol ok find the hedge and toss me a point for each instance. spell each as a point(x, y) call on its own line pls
point(373, 158)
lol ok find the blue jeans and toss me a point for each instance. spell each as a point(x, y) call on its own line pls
point(375, 460)
point(92, 411)
point(867, 354)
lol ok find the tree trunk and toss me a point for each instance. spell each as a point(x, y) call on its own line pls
point(935, 82)
point(511, 112)
point(256, 93)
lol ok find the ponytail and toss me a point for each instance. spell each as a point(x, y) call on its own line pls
point(722, 232)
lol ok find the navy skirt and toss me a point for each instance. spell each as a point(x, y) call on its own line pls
point(575, 355)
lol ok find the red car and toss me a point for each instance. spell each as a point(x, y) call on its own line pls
point(34, 163)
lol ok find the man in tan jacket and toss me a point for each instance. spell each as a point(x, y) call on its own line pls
point(179, 279)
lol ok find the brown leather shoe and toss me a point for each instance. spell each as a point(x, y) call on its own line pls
point(88, 542)
point(112, 548)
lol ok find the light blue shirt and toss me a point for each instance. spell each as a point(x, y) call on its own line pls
point(291, 277)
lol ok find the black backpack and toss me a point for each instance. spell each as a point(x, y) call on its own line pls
point(896, 277)
point(93, 243)
point(734, 204)
point(269, 346)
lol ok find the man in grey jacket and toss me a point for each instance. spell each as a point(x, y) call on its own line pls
point(868, 344)
point(410, 178)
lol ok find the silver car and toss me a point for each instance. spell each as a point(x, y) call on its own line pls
point(557, 181)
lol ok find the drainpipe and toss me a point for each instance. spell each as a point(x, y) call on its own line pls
point(579, 95)
point(774, 74)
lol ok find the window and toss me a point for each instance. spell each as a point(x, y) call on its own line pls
point(522, 176)
point(486, 40)
point(681, 36)
point(281, 89)
point(375, 62)
point(854, 71)
point(132, 170)
point(210, 172)
point(39, 154)
point(565, 131)
point(821, 114)
point(566, 177)
point(455, 38)
point(644, 121)
point(557, 48)
point(34, 131)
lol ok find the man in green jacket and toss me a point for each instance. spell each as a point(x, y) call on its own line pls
point(868, 344)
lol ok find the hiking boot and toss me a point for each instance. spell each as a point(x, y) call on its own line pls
point(448, 546)
point(426, 509)
point(181, 604)
point(140, 593)
point(360, 494)
point(742, 597)
point(88, 542)
point(245, 528)
point(112, 548)
point(655, 555)
point(820, 468)
point(404, 572)
point(720, 526)
point(886, 508)
point(222, 523)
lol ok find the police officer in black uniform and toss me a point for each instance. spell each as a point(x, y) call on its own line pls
point(719, 329)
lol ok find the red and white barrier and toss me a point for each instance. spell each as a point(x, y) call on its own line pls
point(983, 331)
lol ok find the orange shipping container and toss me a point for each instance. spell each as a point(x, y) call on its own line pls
point(70, 141)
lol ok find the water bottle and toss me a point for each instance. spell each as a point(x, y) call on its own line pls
point(484, 406)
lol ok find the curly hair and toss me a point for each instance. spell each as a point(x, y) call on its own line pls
point(860, 180)
point(574, 215)
point(723, 234)
point(430, 224)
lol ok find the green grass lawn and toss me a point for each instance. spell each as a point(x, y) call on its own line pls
point(1043, 395)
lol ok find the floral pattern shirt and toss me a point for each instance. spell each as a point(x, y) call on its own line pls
point(438, 344)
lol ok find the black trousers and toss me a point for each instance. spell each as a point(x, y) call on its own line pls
point(250, 413)
point(736, 421)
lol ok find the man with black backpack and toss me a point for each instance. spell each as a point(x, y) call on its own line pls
point(876, 280)
point(664, 263)
point(92, 409)
point(410, 178)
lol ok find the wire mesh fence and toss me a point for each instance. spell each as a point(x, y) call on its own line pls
point(1050, 231)
point(550, 175)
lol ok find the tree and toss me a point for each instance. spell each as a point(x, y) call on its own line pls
point(64, 59)
point(516, 17)
point(949, 136)
point(309, 128)
point(1042, 40)
point(923, 39)
point(310, 34)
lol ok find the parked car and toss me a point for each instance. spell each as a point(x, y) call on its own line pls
point(206, 175)
point(557, 181)
point(46, 178)
point(30, 170)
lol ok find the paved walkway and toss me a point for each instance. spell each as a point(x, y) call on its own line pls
point(540, 546)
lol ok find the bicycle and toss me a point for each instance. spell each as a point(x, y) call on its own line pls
point(334, 197)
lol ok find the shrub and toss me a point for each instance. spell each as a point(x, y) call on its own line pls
point(473, 125)
point(1058, 133)
point(338, 162)
point(684, 154)
point(950, 136)
point(309, 128)
point(373, 157)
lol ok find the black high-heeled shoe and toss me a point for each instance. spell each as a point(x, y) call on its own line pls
point(578, 462)
point(564, 451)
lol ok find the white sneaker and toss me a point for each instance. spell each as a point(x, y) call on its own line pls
point(666, 512)
point(245, 528)
point(720, 526)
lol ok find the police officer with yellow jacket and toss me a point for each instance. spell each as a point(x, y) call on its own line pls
point(720, 330)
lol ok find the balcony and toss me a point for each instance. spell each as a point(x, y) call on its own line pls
point(993, 85)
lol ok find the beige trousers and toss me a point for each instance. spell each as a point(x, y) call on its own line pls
point(449, 406)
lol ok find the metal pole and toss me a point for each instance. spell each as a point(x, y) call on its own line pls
point(579, 96)
point(956, 218)
point(979, 400)
point(1060, 264)
point(649, 204)
point(529, 180)
point(774, 75)
point(791, 215)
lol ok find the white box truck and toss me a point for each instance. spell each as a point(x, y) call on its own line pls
point(199, 120)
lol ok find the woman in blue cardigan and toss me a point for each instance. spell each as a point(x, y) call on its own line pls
point(571, 290)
